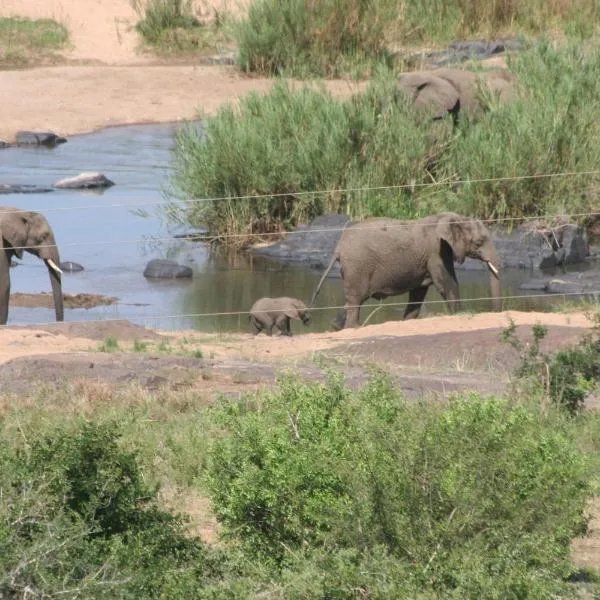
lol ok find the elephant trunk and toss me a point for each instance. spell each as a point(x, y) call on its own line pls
point(52, 260)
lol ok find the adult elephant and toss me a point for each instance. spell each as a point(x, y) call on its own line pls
point(383, 257)
point(437, 92)
point(30, 231)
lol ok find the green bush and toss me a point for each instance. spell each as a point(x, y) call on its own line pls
point(77, 520)
point(478, 498)
point(566, 377)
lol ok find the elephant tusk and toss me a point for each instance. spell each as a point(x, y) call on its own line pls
point(52, 264)
point(492, 268)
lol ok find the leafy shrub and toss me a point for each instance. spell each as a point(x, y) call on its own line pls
point(566, 376)
point(479, 498)
point(77, 519)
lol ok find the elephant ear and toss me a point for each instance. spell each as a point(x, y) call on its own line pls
point(453, 233)
point(15, 231)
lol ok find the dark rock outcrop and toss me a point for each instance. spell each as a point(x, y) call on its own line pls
point(84, 181)
point(523, 248)
point(313, 243)
point(38, 138)
point(7, 188)
point(542, 249)
point(159, 268)
point(461, 51)
point(585, 283)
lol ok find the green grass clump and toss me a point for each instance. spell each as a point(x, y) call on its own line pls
point(317, 153)
point(286, 144)
point(282, 143)
point(476, 499)
point(171, 27)
point(110, 344)
point(26, 41)
point(435, 21)
point(316, 37)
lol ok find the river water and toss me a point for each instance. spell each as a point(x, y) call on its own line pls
point(113, 234)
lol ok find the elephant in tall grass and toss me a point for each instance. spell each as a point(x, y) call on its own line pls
point(438, 92)
point(269, 312)
point(382, 257)
point(29, 231)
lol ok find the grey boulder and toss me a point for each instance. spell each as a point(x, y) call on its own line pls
point(87, 180)
point(70, 266)
point(160, 268)
point(38, 138)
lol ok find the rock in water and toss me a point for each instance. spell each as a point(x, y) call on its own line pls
point(160, 268)
point(38, 138)
point(70, 267)
point(8, 188)
point(84, 181)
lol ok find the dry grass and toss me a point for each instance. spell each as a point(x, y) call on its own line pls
point(24, 42)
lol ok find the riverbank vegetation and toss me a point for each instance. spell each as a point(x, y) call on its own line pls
point(25, 42)
point(327, 38)
point(286, 156)
point(319, 492)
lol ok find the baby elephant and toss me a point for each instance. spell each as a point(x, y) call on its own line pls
point(267, 312)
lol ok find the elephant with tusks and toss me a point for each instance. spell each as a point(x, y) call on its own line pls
point(30, 231)
point(382, 257)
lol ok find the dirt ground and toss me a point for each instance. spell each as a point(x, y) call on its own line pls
point(46, 300)
point(107, 80)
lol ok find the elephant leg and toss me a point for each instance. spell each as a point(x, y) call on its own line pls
point(256, 326)
point(283, 324)
point(339, 321)
point(415, 302)
point(352, 309)
point(4, 286)
point(444, 279)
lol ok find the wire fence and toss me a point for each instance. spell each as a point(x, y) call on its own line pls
point(328, 230)
point(593, 293)
point(353, 190)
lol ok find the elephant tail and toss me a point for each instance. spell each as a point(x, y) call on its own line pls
point(333, 260)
